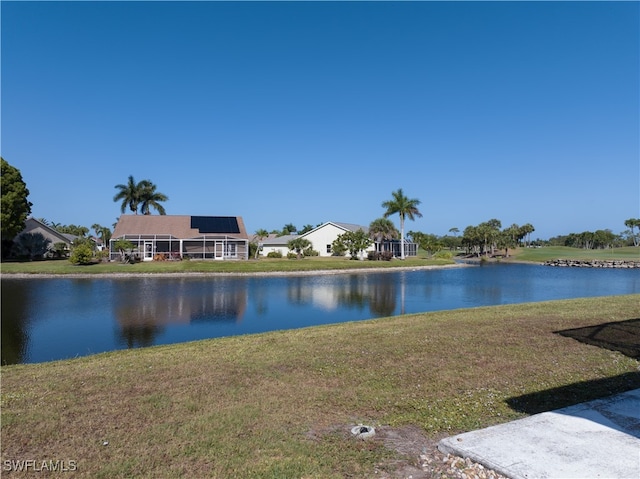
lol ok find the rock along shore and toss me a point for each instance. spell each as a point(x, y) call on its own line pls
point(593, 263)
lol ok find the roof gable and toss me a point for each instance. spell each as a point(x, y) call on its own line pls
point(33, 225)
point(342, 226)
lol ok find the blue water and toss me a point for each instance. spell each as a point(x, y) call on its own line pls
point(49, 319)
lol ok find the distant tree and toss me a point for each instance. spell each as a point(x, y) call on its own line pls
point(509, 238)
point(31, 246)
point(526, 230)
point(471, 240)
point(299, 245)
point(14, 206)
point(405, 208)
point(306, 229)
point(75, 230)
point(632, 223)
point(454, 230)
point(288, 229)
point(260, 235)
point(489, 232)
point(382, 229)
point(353, 241)
point(102, 232)
point(428, 242)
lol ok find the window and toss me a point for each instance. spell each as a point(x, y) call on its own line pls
point(329, 248)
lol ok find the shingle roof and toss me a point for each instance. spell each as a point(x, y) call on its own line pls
point(178, 226)
point(279, 239)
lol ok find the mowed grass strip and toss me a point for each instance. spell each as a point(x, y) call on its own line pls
point(263, 265)
point(281, 404)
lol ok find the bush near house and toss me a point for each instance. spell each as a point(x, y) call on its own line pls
point(82, 254)
point(380, 256)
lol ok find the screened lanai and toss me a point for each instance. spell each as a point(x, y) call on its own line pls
point(165, 237)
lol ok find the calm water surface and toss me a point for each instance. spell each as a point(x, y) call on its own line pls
point(49, 319)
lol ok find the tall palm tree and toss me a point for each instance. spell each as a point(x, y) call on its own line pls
point(142, 195)
point(149, 197)
point(381, 230)
point(129, 194)
point(406, 208)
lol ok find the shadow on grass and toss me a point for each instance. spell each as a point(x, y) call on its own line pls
point(621, 336)
point(572, 394)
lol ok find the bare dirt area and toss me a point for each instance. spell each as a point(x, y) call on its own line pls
point(423, 460)
point(417, 456)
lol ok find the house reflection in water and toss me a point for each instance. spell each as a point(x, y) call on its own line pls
point(144, 307)
point(378, 292)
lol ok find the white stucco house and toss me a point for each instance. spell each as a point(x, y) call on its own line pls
point(320, 237)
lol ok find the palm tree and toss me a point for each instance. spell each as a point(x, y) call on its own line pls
point(142, 194)
point(405, 207)
point(129, 194)
point(632, 223)
point(260, 235)
point(299, 245)
point(150, 197)
point(103, 233)
point(381, 230)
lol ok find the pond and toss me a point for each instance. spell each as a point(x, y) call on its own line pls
point(45, 319)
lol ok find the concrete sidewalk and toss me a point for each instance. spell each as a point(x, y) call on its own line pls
point(598, 439)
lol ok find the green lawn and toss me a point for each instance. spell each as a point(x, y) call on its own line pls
point(281, 404)
point(564, 252)
point(262, 265)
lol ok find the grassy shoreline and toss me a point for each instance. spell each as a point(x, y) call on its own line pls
point(311, 265)
point(280, 404)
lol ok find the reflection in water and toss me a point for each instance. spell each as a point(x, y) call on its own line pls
point(144, 307)
point(14, 320)
point(382, 301)
point(354, 291)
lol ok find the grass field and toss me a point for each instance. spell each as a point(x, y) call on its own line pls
point(281, 404)
point(564, 252)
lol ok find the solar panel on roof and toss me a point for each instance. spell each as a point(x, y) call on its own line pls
point(215, 224)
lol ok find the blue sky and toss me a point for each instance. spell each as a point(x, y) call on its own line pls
point(287, 112)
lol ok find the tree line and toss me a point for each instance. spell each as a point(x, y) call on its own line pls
point(482, 239)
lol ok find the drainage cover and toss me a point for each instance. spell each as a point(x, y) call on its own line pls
point(363, 432)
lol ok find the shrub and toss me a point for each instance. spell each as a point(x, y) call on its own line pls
point(82, 254)
point(31, 246)
point(443, 254)
point(380, 256)
point(59, 250)
point(291, 255)
point(274, 254)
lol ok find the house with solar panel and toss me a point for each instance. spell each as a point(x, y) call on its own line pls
point(180, 236)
